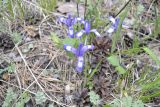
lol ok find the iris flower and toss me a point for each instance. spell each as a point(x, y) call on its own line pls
point(79, 53)
point(114, 26)
point(115, 23)
point(87, 30)
point(70, 22)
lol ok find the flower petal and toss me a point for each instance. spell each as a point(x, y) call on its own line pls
point(74, 20)
point(87, 27)
point(69, 20)
point(80, 64)
point(62, 20)
point(116, 24)
point(125, 26)
point(95, 32)
point(70, 49)
point(111, 30)
point(80, 20)
point(113, 20)
point(71, 32)
point(79, 34)
point(86, 48)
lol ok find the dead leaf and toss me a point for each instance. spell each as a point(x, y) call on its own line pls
point(5, 76)
point(31, 31)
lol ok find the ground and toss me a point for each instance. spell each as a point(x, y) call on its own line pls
point(36, 71)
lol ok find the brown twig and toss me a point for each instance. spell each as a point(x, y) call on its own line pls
point(85, 9)
point(78, 8)
point(123, 7)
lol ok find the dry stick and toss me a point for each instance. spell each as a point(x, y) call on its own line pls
point(34, 75)
point(123, 7)
point(85, 9)
point(18, 79)
point(153, 1)
point(78, 8)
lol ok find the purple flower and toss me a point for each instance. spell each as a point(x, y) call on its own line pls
point(79, 53)
point(114, 26)
point(71, 32)
point(70, 22)
point(115, 23)
point(87, 30)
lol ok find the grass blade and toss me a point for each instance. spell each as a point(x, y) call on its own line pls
point(151, 54)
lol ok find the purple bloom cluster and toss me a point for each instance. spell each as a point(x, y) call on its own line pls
point(70, 22)
point(80, 51)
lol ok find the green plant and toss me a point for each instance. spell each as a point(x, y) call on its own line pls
point(126, 102)
point(40, 98)
point(47, 5)
point(10, 69)
point(12, 9)
point(115, 62)
point(24, 98)
point(16, 37)
point(152, 55)
point(94, 98)
point(10, 97)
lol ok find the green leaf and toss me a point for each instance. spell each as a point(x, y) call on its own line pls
point(115, 103)
point(70, 41)
point(94, 71)
point(151, 54)
point(106, 105)
point(10, 97)
point(11, 68)
point(136, 43)
point(132, 51)
point(56, 40)
point(157, 25)
point(120, 69)
point(16, 37)
point(140, 9)
point(138, 103)
point(24, 99)
point(2, 70)
point(127, 101)
point(113, 60)
point(47, 5)
point(40, 98)
point(21, 9)
point(150, 96)
point(151, 85)
point(94, 98)
point(90, 84)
